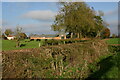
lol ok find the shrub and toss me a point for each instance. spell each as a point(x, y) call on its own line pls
point(38, 40)
point(50, 42)
point(31, 39)
point(46, 39)
point(71, 61)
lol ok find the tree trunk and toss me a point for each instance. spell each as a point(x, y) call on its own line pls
point(78, 35)
point(98, 35)
point(71, 35)
point(65, 36)
point(17, 44)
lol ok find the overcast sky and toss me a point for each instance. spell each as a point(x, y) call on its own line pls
point(37, 17)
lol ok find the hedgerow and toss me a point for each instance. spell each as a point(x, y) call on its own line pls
point(57, 61)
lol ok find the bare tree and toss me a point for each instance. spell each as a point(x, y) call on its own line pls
point(18, 31)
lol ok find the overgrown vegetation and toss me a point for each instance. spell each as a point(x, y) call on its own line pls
point(58, 61)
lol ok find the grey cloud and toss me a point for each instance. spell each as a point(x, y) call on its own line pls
point(113, 26)
point(4, 22)
point(0, 22)
point(112, 12)
point(113, 22)
point(45, 15)
point(113, 30)
point(40, 28)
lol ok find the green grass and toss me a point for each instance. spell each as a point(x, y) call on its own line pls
point(0, 45)
point(11, 44)
point(113, 41)
point(108, 66)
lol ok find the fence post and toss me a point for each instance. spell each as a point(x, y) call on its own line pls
point(39, 45)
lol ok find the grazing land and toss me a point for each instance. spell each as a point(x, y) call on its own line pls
point(113, 41)
point(11, 44)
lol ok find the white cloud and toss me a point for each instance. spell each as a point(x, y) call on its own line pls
point(45, 15)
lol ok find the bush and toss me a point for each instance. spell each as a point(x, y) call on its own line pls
point(63, 41)
point(49, 42)
point(114, 35)
point(31, 39)
point(38, 40)
point(71, 61)
point(46, 39)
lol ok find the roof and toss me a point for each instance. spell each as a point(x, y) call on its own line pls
point(10, 36)
point(49, 35)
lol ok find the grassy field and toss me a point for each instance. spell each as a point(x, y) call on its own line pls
point(10, 44)
point(108, 66)
point(113, 41)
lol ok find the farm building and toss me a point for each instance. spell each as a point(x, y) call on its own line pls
point(10, 37)
point(47, 37)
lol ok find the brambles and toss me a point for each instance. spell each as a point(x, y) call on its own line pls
point(57, 61)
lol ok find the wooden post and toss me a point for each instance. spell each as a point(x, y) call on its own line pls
point(39, 44)
point(65, 36)
point(64, 42)
point(78, 35)
point(71, 35)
